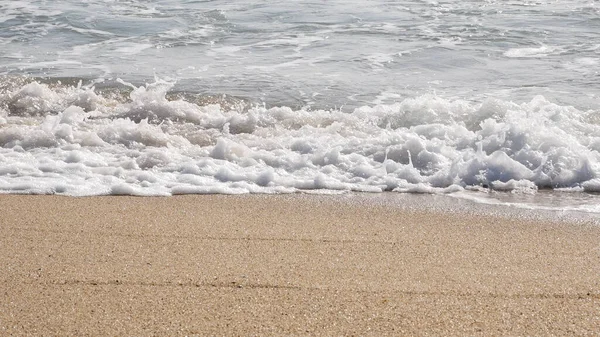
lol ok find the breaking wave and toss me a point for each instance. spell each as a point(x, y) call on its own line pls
point(81, 140)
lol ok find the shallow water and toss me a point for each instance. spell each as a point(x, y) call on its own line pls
point(320, 54)
point(168, 97)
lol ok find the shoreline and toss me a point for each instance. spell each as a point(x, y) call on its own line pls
point(292, 264)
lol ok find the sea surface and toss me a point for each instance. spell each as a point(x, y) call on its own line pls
point(494, 101)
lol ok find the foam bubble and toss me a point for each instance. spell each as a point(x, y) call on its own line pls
point(149, 143)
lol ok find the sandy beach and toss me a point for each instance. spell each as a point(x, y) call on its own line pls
point(289, 265)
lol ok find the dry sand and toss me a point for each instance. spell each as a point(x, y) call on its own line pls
point(288, 265)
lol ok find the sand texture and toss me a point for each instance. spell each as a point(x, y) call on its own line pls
point(289, 265)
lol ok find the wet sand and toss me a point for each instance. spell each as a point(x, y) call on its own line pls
point(290, 265)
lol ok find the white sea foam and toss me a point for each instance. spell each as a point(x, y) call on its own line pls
point(542, 51)
point(75, 140)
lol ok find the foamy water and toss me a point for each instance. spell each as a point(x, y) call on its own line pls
point(173, 97)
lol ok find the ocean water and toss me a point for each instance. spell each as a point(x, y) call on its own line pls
point(496, 101)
